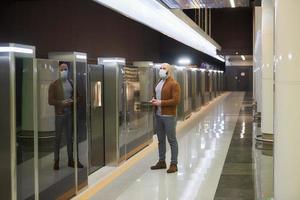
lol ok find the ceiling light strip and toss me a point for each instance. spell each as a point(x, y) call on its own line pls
point(232, 3)
point(83, 57)
point(16, 50)
point(113, 61)
point(158, 17)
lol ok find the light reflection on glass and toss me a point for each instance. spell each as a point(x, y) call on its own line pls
point(199, 127)
point(203, 143)
point(242, 135)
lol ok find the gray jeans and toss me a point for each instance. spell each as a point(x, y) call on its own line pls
point(63, 123)
point(166, 127)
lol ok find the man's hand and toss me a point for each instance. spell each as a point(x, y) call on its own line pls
point(67, 102)
point(155, 102)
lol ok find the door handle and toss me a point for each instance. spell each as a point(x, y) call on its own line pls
point(97, 97)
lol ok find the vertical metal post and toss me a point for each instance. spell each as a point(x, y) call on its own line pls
point(124, 84)
point(13, 161)
point(75, 124)
point(203, 19)
point(195, 16)
point(199, 18)
point(35, 131)
point(210, 21)
point(206, 28)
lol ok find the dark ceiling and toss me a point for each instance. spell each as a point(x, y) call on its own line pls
point(231, 28)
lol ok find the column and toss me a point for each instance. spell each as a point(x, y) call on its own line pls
point(257, 57)
point(206, 21)
point(287, 100)
point(267, 93)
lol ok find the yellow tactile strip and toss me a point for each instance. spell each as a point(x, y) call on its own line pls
point(92, 190)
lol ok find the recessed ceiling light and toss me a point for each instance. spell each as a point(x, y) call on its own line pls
point(184, 61)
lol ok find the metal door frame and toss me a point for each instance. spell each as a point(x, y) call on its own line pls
point(73, 57)
point(12, 52)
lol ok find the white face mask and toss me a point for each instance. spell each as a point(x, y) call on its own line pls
point(64, 75)
point(163, 73)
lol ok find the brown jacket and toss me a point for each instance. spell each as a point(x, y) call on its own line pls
point(56, 96)
point(170, 97)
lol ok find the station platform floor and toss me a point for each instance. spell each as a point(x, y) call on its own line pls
point(218, 159)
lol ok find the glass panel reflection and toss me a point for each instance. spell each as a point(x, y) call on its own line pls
point(146, 77)
point(196, 93)
point(121, 95)
point(24, 127)
point(189, 90)
point(55, 114)
point(207, 86)
point(198, 88)
point(82, 143)
point(96, 137)
point(202, 88)
point(180, 77)
point(139, 86)
point(185, 92)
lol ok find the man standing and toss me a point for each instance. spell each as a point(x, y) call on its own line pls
point(166, 99)
point(61, 97)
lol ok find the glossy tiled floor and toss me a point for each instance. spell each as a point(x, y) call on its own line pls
point(203, 149)
point(236, 181)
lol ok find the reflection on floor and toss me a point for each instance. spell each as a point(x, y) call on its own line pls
point(215, 161)
point(236, 181)
point(51, 182)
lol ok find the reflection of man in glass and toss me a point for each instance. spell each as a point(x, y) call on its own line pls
point(61, 97)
